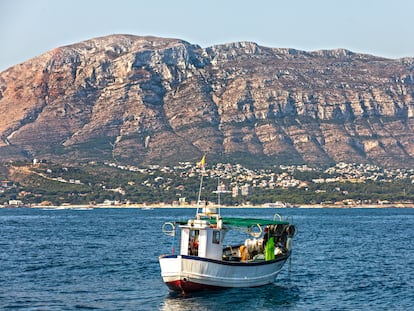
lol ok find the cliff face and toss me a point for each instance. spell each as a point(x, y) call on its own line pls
point(148, 100)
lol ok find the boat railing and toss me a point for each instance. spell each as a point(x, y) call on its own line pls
point(277, 217)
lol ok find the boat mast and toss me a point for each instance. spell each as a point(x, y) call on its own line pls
point(218, 195)
point(201, 164)
point(199, 191)
point(219, 191)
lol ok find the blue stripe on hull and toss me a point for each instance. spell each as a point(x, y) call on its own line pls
point(231, 263)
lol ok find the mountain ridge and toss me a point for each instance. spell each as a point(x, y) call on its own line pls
point(144, 100)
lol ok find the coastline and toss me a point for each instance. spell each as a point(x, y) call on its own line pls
point(169, 206)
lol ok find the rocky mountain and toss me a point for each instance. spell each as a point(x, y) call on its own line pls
point(143, 100)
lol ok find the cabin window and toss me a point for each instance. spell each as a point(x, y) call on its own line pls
point(216, 237)
point(193, 242)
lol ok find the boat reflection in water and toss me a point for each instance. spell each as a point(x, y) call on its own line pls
point(266, 297)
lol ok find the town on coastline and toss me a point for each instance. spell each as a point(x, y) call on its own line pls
point(42, 184)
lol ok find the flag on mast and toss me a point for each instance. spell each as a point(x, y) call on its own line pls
point(202, 162)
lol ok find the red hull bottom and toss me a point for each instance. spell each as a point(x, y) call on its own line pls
point(188, 286)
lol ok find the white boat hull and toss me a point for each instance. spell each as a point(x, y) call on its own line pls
point(192, 273)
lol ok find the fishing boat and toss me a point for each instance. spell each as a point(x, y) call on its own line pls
point(206, 261)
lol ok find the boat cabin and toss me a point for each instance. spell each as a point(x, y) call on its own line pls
point(200, 238)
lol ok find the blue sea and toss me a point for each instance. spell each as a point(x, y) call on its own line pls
point(107, 259)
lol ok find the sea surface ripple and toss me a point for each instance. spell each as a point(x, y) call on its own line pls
point(107, 259)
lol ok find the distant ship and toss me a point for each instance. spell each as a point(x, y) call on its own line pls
point(279, 204)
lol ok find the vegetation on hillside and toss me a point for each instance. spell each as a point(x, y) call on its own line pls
point(92, 183)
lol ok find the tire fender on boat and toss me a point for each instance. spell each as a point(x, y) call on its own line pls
point(290, 230)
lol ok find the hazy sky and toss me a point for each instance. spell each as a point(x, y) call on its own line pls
point(29, 28)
